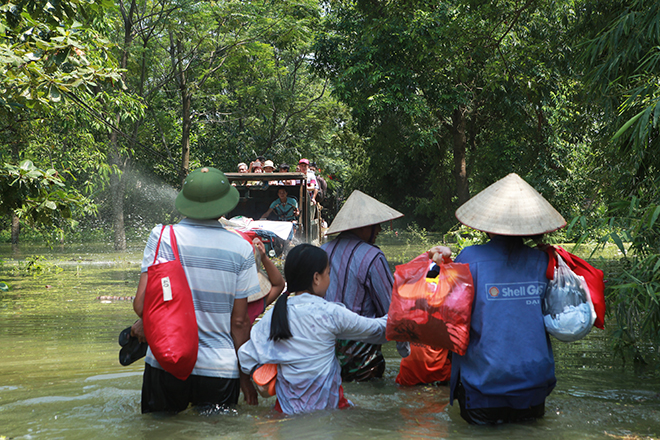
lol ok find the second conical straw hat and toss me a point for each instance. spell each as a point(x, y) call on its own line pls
point(510, 206)
point(361, 210)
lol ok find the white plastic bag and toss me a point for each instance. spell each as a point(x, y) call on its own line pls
point(568, 312)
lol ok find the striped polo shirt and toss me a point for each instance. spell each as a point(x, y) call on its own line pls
point(220, 267)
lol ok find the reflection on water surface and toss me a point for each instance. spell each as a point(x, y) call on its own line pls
point(60, 377)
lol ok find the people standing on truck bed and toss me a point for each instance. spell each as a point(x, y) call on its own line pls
point(284, 168)
point(269, 166)
point(312, 184)
point(256, 168)
point(260, 161)
point(320, 183)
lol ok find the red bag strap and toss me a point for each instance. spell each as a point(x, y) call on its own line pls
point(158, 245)
point(567, 256)
point(553, 252)
point(175, 248)
point(552, 260)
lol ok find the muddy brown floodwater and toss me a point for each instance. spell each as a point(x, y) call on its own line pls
point(60, 376)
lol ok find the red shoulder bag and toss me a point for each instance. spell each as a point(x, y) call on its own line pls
point(170, 325)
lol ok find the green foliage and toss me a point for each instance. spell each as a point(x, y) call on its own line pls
point(623, 71)
point(45, 53)
point(634, 303)
point(36, 265)
point(267, 102)
point(413, 72)
point(463, 236)
point(38, 196)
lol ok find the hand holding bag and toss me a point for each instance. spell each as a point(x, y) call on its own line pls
point(170, 325)
point(435, 312)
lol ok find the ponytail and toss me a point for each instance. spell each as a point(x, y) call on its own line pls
point(279, 321)
point(302, 262)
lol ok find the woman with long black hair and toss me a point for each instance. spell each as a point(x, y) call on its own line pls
point(299, 335)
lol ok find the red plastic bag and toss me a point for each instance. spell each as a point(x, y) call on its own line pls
point(170, 325)
point(593, 277)
point(437, 315)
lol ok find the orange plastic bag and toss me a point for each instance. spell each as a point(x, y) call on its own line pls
point(424, 365)
point(265, 378)
point(431, 312)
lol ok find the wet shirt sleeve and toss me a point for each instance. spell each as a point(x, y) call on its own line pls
point(350, 325)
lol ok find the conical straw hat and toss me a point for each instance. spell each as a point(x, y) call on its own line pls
point(510, 206)
point(264, 287)
point(361, 210)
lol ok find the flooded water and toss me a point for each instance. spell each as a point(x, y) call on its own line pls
point(60, 377)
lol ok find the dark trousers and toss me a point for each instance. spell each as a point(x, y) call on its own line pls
point(163, 392)
point(494, 416)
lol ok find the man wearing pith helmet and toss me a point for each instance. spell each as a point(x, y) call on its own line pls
point(221, 272)
point(360, 278)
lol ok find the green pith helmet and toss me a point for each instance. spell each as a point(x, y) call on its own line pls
point(206, 194)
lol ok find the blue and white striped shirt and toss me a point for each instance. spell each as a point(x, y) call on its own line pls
point(220, 267)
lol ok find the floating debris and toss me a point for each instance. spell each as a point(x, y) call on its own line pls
point(115, 298)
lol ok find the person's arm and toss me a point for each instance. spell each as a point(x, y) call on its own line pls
point(266, 214)
point(138, 301)
point(274, 275)
point(137, 329)
point(380, 283)
point(296, 211)
point(240, 333)
point(352, 326)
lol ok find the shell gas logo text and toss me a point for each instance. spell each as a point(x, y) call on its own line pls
point(494, 291)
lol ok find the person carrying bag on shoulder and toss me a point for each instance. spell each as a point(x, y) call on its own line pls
point(221, 274)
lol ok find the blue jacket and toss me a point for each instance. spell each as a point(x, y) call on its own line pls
point(509, 361)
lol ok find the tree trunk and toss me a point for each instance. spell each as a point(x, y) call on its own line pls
point(460, 148)
point(186, 99)
point(15, 229)
point(16, 146)
point(117, 162)
point(186, 121)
